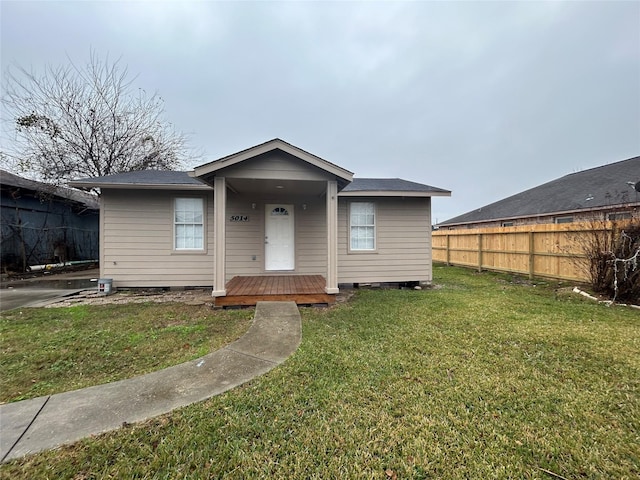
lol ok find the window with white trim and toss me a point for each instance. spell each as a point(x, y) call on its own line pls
point(362, 225)
point(188, 224)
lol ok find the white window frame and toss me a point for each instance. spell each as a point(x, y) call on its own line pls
point(365, 225)
point(564, 219)
point(193, 222)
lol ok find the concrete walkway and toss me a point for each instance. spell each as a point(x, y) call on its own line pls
point(47, 422)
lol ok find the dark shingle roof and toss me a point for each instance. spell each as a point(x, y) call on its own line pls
point(169, 178)
point(144, 177)
point(390, 184)
point(86, 199)
point(590, 189)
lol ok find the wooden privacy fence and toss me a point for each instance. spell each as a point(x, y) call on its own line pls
point(545, 250)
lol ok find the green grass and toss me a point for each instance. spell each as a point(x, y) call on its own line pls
point(51, 350)
point(480, 378)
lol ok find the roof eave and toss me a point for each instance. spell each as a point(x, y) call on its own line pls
point(141, 186)
point(392, 193)
point(546, 214)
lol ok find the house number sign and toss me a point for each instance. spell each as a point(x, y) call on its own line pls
point(239, 218)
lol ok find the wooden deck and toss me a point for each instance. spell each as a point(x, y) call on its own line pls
point(302, 289)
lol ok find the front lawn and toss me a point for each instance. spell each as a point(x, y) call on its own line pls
point(52, 350)
point(478, 378)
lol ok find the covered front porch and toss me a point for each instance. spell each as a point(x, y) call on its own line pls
point(302, 289)
point(275, 216)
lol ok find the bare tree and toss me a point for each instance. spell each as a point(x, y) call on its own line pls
point(611, 257)
point(74, 122)
point(625, 263)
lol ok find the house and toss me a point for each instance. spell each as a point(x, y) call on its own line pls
point(42, 224)
point(272, 211)
point(609, 192)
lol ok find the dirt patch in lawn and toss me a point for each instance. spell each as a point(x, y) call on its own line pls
point(198, 296)
point(91, 297)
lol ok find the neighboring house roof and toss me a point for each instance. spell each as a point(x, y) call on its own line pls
point(344, 176)
point(593, 189)
point(391, 187)
point(143, 179)
point(83, 198)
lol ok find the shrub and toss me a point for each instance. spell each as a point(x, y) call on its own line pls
point(612, 251)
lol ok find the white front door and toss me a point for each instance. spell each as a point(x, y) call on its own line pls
point(279, 244)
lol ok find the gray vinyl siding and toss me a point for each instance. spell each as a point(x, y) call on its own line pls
point(137, 247)
point(311, 238)
point(138, 243)
point(245, 240)
point(403, 242)
point(276, 165)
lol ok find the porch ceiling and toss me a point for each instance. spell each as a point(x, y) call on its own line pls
point(272, 187)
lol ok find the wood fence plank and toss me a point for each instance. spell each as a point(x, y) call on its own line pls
point(541, 250)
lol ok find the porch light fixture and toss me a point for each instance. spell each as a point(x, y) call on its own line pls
point(304, 206)
point(253, 206)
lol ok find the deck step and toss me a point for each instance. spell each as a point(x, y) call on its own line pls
point(301, 289)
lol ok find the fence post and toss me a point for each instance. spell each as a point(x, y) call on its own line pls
point(448, 254)
point(479, 252)
point(532, 252)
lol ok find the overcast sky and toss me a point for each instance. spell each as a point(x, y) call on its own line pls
point(482, 98)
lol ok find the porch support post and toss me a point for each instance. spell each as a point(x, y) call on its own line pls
point(332, 238)
point(219, 252)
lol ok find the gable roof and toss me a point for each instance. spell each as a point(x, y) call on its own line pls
point(165, 179)
point(592, 189)
point(343, 176)
point(144, 179)
point(83, 198)
point(390, 187)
